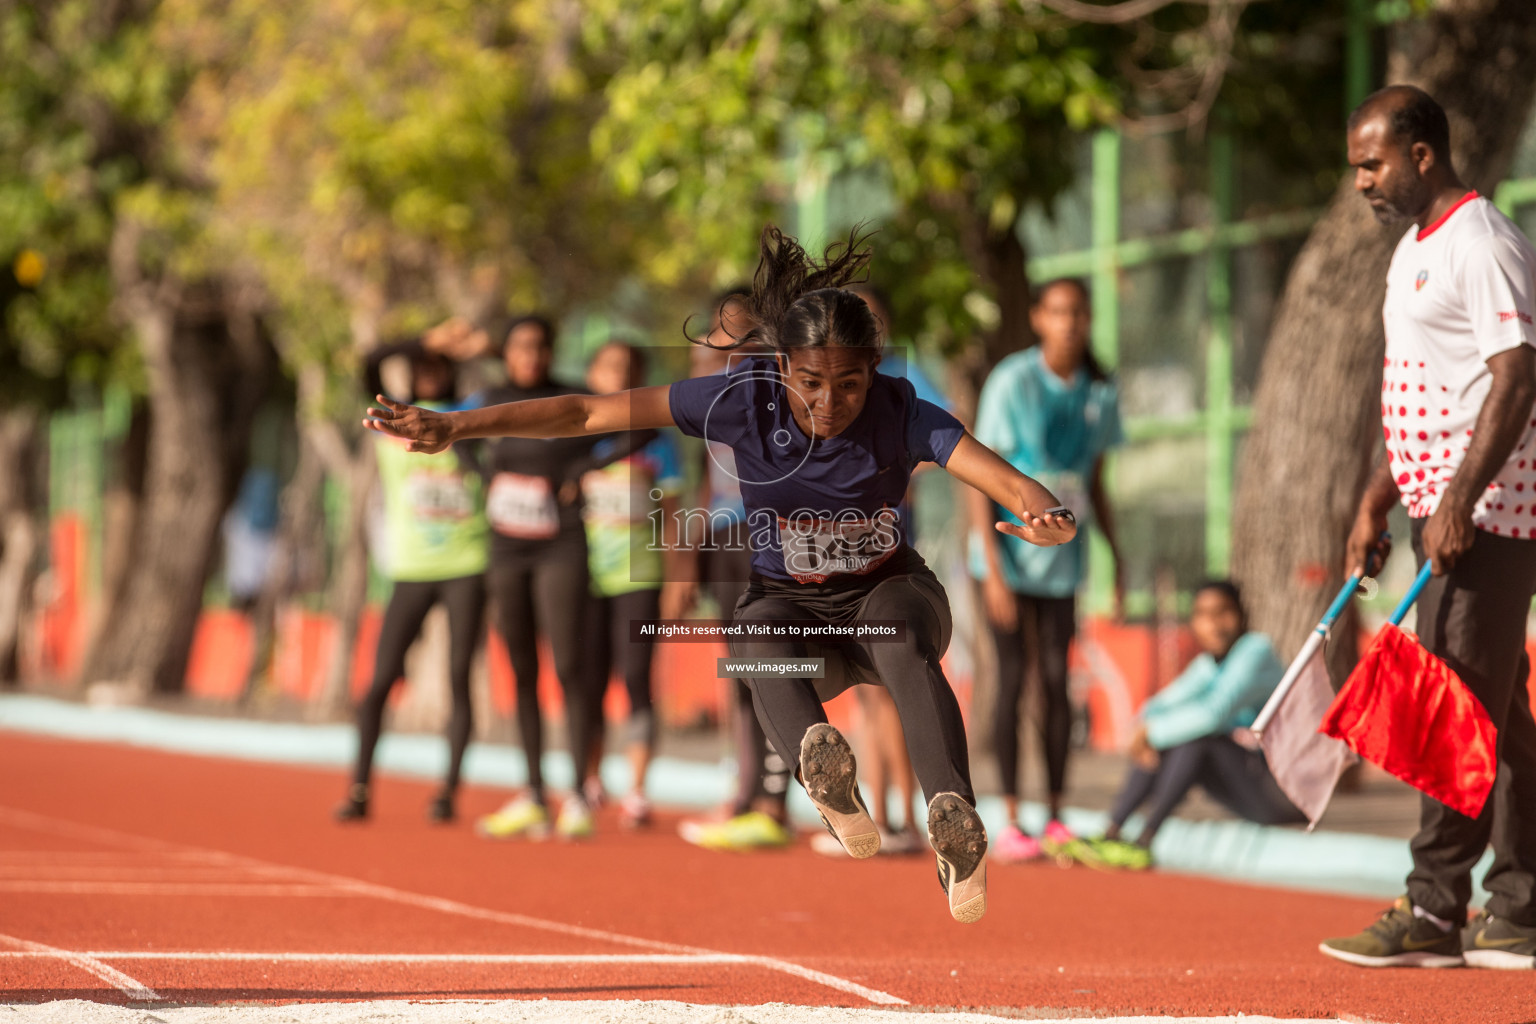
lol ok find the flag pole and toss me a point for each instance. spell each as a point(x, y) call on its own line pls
point(1319, 634)
point(1413, 594)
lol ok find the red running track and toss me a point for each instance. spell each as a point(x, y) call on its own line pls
point(167, 867)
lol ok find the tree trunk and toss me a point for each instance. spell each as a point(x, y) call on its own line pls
point(1316, 414)
point(349, 585)
point(20, 532)
point(208, 366)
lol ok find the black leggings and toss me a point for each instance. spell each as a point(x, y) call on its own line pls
point(1051, 623)
point(547, 594)
point(908, 668)
point(609, 621)
point(761, 774)
point(1234, 776)
point(407, 610)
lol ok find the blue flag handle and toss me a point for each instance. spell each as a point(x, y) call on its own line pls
point(1413, 594)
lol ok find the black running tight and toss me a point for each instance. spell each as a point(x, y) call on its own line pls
point(549, 595)
point(1044, 627)
point(403, 617)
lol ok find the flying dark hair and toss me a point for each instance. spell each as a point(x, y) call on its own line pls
point(1412, 116)
point(1091, 363)
point(798, 301)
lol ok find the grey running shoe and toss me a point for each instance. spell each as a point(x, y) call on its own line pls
point(1398, 939)
point(831, 780)
point(958, 837)
point(1489, 941)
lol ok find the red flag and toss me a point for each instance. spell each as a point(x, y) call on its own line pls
point(1405, 710)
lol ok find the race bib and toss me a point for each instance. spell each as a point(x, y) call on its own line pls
point(616, 497)
point(522, 506)
point(815, 550)
point(438, 497)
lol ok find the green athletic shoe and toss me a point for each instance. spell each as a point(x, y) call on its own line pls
point(517, 818)
point(575, 821)
point(1489, 941)
point(753, 830)
point(1109, 854)
point(1398, 939)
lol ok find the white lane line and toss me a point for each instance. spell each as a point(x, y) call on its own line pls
point(400, 958)
point(27, 819)
point(131, 988)
point(67, 888)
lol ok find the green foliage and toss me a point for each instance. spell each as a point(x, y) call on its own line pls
point(386, 162)
point(966, 109)
point(65, 75)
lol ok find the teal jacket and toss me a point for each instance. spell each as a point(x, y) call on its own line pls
point(1210, 697)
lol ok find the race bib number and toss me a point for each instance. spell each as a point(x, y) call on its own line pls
point(616, 497)
point(438, 498)
point(522, 506)
point(815, 549)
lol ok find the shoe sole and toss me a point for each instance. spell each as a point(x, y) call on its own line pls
point(830, 775)
point(1498, 960)
point(958, 837)
point(1415, 959)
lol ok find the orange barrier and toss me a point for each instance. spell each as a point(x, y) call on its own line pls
point(63, 619)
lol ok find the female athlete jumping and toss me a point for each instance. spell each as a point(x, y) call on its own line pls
point(824, 448)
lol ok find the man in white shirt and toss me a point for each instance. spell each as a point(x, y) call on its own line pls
point(1458, 386)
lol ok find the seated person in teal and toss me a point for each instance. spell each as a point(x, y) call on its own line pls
point(1195, 732)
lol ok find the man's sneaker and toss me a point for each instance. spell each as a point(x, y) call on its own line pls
point(1489, 941)
point(522, 817)
point(1014, 846)
point(960, 840)
point(575, 821)
point(634, 811)
point(1055, 840)
point(355, 806)
point(1109, 854)
point(753, 830)
point(829, 772)
point(1398, 939)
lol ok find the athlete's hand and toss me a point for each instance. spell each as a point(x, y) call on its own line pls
point(1002, 609)
point(1447, 536)
point(428, 432)
point(1046, 530)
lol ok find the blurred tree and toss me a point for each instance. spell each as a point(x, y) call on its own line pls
point(117, 211)
point(1316, 413)
point(382, 163)
point(965, 109)
point(59, 176)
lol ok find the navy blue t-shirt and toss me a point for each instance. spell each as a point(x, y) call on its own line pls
point(822, 510)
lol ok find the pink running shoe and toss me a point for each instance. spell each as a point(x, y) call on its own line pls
point(1012, 846)
point(1056, 839)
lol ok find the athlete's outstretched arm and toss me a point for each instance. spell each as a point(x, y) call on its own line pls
point(974, 463)
point(561, 416)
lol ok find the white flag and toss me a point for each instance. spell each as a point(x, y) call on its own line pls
point(1306, 763)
